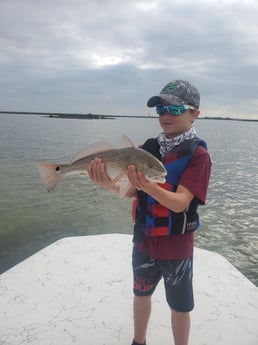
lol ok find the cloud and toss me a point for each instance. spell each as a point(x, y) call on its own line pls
point(108, 56)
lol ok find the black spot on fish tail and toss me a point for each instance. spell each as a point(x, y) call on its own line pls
point(57, 168)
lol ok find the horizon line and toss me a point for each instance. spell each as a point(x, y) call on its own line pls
point(102, 116)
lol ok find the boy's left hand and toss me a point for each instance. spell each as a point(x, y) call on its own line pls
point(137, 179)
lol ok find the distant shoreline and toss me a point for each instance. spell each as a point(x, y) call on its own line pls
point(90, 116)
point(76, 116)
point(226, 118)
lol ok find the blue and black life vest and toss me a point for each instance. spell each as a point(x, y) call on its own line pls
point(151, 217)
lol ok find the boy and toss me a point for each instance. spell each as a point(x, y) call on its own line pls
point(166, 215)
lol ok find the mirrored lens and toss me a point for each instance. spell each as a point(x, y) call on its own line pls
point(171, 109)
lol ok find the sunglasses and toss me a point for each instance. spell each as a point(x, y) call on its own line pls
point(173, 109)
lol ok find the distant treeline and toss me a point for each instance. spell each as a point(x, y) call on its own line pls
point(100, 116)
point(75, 116)
point(227, 118)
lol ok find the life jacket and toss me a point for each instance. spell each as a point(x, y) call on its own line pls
point(150, 216)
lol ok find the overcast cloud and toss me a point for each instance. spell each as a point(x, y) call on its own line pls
point(110, 56)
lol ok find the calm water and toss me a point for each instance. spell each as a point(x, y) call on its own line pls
point(31, 218)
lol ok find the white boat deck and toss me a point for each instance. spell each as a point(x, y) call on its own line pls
point(79, 291)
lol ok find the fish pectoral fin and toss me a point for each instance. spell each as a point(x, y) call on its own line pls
point(118, 177)
point(125, 185)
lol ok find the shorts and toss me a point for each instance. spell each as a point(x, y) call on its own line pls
point(177, 275)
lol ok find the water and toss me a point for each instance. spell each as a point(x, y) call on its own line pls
point(31, 218)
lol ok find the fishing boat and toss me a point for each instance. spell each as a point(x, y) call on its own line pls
point(78, 291)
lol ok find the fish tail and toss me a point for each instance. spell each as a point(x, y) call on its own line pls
point(50, 174)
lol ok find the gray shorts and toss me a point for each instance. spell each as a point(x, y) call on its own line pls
point(177, 275)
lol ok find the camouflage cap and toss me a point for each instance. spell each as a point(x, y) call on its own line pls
point(177, 92)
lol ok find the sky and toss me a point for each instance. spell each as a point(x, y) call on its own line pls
point(111, 56)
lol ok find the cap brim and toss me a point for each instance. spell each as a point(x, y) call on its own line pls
point(156, 100)
point(153, 101)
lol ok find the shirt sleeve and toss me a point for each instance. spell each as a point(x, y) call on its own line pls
point(197, 174)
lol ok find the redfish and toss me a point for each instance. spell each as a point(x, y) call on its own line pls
point(116, 162)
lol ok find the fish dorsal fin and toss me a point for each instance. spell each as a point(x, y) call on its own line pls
point(125, 142)
point(101, 146)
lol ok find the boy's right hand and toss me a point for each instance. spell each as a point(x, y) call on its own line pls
point(97, 173)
